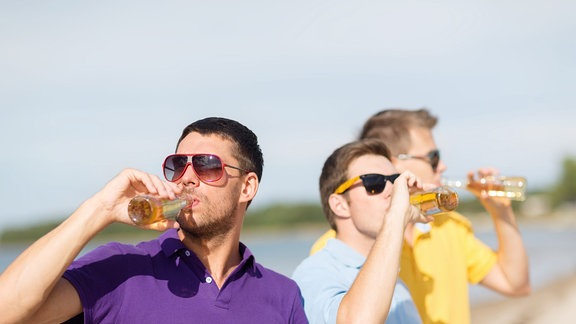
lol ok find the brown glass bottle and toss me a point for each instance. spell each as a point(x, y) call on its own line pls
point(495, 186)
point(145, 210)
point(438, 200)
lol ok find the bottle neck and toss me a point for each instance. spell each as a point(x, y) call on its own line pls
point(454, 183)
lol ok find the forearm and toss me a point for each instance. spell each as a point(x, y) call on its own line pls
point(28, 281)
point(512, 256)
point(370, 296)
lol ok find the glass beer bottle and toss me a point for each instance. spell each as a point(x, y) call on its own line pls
point(145, 210)
point(438, 200)
point(495, 186)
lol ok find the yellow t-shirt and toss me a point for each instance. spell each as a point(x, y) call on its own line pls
point(439, 266)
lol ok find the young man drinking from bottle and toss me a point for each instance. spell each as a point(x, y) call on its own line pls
point(366, 201)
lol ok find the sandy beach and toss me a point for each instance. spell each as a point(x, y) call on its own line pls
point(553, 303)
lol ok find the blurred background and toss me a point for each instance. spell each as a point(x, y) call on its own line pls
point(89, 88)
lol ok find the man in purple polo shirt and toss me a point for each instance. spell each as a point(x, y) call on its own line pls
point(197, 271)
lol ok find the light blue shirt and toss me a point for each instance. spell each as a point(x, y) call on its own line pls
point(326, 276)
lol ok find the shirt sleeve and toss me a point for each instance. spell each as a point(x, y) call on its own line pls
point(480, 259)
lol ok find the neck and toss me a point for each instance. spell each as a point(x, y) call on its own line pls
point(220, 255)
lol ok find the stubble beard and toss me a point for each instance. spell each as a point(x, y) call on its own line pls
point(217, 219)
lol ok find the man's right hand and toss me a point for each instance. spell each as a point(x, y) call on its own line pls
point(116, 194)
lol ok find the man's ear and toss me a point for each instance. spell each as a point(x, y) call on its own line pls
point(250, 187)
point(339, 205)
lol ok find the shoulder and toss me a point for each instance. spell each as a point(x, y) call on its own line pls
point(453, 219)
point(274, 289)
point(274, 292)
point(326, 267)
point(273, 279)
point(324, 278)
point(118, 254)
point(107, 251)
point(319, 261)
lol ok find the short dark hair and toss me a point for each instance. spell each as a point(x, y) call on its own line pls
point(246, 148)
point(335, 169)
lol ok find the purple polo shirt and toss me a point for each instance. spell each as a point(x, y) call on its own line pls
point(161, 281)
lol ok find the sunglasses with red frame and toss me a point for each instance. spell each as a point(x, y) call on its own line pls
point(208, 167)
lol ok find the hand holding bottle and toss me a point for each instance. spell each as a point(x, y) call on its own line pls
point(112, 200)
point(406, 186)
point(492, 185)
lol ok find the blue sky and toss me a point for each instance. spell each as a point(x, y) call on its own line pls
point(88, 88)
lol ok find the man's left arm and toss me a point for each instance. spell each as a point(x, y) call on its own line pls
point(510, 275)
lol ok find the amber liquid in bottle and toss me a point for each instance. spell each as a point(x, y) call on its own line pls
point(438, 200)
point(145, 210)
point(495, 186)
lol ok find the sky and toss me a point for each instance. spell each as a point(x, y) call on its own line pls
point(90, 88)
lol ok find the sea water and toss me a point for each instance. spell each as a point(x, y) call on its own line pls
point(549, 250)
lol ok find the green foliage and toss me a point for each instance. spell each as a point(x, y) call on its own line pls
point(280, 215)
point(27, 234)
point(118, 232)
point(277, 216)
point(273, 216)
point(471, 205)
point(565, 189)
point(288, 215)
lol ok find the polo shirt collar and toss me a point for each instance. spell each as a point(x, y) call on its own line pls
point(170, 243)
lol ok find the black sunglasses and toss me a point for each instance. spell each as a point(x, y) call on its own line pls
point(433, 157)
point(208, 167)
point(374, 183)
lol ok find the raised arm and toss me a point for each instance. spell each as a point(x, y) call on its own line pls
point(370, 296)
point(510, 275)
point(32, 288)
